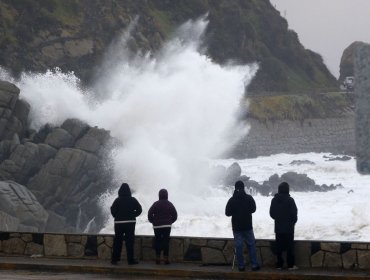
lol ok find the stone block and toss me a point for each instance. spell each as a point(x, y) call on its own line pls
point(75, 250)
point(332, 260)
point(217, 244)
point(330, 247)
point(363, 259)
point(302, 254)
point(263, 243)
point(108, 240)
point(100, 239)
point(13, 246)
point(211, 255)
point(176, 250)
point(104, 252)
point(198, 242)
point(34, 249)
point(267, 257)
point(55, 245)
point(349, 259)
point(26, 237)
point(361, 246)
point(229, 251)
point(73, 238)
point(317, 259)
point(83, 239)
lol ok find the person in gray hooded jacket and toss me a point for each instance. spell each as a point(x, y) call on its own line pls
point(124, 209)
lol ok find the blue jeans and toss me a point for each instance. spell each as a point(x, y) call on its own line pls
point(246, 236)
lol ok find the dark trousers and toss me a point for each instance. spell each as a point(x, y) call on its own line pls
point(162, 240)
point(285, 242)
point(124, 231)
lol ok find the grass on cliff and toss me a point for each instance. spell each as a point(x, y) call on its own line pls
point(298, 107)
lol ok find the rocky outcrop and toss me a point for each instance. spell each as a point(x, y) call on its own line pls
point(62, 169)
point(13, 112)
point(19, 209)
point(297, 182)
point(347, 62)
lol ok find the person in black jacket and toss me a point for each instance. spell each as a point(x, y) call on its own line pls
point(284, 211)
point(124, 209)
point(240, 207)
point(162, 214)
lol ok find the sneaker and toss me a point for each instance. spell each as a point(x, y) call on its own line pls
point(242, 268)
point(256, 268)
point(293, 267)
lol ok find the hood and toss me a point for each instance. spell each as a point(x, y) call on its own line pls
point(124, 190)
point(239, 193)
point(163, 194)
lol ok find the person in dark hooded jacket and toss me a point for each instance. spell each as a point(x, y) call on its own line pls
point(284, 211)
point(162, 214)
point(240, 207)
point(124, 209)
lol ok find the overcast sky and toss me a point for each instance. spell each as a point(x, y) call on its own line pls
point(327, 26)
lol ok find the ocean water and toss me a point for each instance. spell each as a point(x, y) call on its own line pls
point(175, 112)
point(342, 214)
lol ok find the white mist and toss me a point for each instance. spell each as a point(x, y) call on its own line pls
point(173, 111)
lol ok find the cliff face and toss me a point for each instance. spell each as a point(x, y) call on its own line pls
point(73, 34)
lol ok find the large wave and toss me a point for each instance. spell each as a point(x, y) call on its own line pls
point(172, 111)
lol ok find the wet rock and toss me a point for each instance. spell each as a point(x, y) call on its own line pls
point(233, 172)
point(18, 202)
point(300, 162)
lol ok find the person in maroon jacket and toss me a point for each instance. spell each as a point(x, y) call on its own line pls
point(162, 214)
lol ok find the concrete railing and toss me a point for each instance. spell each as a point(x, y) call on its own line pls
point(217, 251)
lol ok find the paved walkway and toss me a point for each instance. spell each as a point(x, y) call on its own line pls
point(176, 270)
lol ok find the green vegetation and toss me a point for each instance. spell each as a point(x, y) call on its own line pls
point(244, 31)
point(298, 107)
point(162, 21)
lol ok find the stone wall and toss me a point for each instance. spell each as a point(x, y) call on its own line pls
point(335, 135)
point(216, 251)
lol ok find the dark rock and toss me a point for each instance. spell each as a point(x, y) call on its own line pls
point(93, 140)
point(75, 127)
point(25, 161)
point(59, 138)
point(41, 135)
point(233, 172)
point(343, 158)
point(300, 162)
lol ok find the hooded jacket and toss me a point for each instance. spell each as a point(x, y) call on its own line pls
point(125, 208)
point(162, 213)
point(284, 211)
point(240, 207)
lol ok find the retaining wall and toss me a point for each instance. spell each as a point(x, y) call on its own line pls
point(334, 135)
point(220, 251)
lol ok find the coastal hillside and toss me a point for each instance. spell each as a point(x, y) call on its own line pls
point(74, 34)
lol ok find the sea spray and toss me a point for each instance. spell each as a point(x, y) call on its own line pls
point(172, 111)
